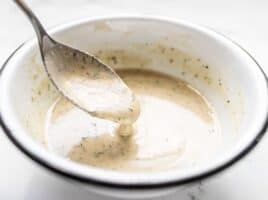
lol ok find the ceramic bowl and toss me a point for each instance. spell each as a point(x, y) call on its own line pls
point(220, 69)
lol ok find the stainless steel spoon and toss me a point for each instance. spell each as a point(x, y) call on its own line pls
point(83, 79)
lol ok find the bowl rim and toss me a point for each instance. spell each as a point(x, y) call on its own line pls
point(147, 185)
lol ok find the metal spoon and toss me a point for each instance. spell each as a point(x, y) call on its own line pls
point(83, 79)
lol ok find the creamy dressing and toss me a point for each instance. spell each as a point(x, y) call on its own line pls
point(176, 128)
point(92, 86)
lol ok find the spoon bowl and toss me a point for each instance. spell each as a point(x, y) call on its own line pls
point(83, 79)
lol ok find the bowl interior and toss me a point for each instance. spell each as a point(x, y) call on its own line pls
point(226, 75)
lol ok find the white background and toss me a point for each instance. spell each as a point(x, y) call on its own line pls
point(245, 21)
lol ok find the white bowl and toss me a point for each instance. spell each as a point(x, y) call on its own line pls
point(234, 84)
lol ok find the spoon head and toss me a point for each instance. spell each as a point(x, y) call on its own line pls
point(90, 84)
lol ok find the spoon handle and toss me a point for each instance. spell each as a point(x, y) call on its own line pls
point(39, 29)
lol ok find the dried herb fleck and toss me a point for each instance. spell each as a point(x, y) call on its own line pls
point(82, 146)
point(84, 59)
point(205, 66)
point(114, 59)
point(219, 82)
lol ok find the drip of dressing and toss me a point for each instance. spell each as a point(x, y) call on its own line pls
point(177, 128)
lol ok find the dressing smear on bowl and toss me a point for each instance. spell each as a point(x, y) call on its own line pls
point(176, 128)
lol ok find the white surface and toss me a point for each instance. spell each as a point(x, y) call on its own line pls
point(243, 21)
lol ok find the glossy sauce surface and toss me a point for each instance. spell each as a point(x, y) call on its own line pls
point(177, 128)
